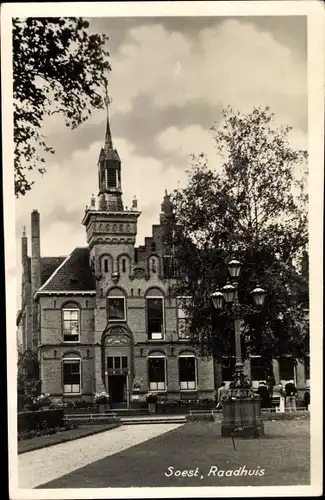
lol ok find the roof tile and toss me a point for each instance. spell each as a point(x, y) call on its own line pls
point(74, 275)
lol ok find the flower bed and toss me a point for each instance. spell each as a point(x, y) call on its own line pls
point(183, 406)
point(46, 431)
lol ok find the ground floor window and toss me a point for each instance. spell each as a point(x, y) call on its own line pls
point(258, 370)
point(187, 372)
point(307, 370)
point(157, 373)
point(286, 369)
point(71, 373)
point(228, 368)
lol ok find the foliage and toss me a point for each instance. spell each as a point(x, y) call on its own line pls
point(58, 67)
point(101, 398)
point(152, 398)
point(28, 383)
point(256, 210)
point(42, 419)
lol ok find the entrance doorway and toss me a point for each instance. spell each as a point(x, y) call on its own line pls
point(117, 388)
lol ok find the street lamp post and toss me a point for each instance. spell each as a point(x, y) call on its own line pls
point(242, 407)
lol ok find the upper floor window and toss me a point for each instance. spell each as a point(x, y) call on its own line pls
point(105, 265)
point(71, 329)
point(155, 317)
point(123, 265)
point(116, 308)
point(71, 376)
point(182, 317)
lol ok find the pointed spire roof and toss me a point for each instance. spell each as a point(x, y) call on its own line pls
point(108, 152)
point(108, 135)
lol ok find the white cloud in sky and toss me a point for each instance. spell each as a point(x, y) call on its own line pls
point(229, 63)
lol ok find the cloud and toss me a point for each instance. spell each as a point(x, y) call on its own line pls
point(229, 63)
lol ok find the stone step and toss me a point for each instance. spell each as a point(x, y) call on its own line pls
point(174, 419)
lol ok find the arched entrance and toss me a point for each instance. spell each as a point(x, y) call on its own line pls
point(118, 364)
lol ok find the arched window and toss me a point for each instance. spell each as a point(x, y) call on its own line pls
point(155, 314)
point(71, 374)
point(153, 264)
point(157, 368)
point(71, 322)
point(105, 265)
point(187, 371)
point(116, 305)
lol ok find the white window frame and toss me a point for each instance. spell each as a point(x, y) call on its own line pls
point(63, 335)
point(72, 360)
point(162, 337)
point(179, 298)
point(116, 297)
point(156, 356)
point(188, 389)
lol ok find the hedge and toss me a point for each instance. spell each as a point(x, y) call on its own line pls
point(40, 419)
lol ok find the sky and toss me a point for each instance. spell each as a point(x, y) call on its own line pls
point(170, 79)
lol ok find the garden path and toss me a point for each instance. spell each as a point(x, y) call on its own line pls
point(43, 465)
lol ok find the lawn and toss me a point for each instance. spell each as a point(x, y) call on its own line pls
point(281, 457)
point(46, 440)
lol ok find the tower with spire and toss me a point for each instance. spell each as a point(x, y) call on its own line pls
point(111, 229)
point(109, 171)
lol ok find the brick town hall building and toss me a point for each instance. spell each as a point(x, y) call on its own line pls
point(103, 318)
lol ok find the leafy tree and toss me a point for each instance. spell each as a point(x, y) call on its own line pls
point(58, 67)
point(28, 382)
point(256, 210)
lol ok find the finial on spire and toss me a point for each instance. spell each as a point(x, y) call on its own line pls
point(134, 203)
point(108, 135)
point(24, 231)
point(92, 201)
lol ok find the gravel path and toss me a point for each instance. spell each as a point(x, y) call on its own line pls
point(44, 465)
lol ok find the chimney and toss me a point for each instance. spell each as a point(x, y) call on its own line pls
point(36, 252)
point(35, 273)
point(24, 252)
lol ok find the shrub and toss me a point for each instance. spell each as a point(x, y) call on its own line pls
point(152, 398)
point(101, 398)
point(41, 419)
point(204, 417)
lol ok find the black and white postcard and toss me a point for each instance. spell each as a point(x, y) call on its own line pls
point(163, 212)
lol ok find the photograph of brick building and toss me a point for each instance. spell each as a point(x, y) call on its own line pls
point(104, 317)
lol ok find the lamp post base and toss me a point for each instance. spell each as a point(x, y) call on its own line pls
point(242, 418)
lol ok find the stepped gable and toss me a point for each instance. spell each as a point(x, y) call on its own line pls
point(74, 275)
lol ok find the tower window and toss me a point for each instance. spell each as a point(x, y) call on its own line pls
point(111, 178)
point(123, 265)
point(106, 265)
